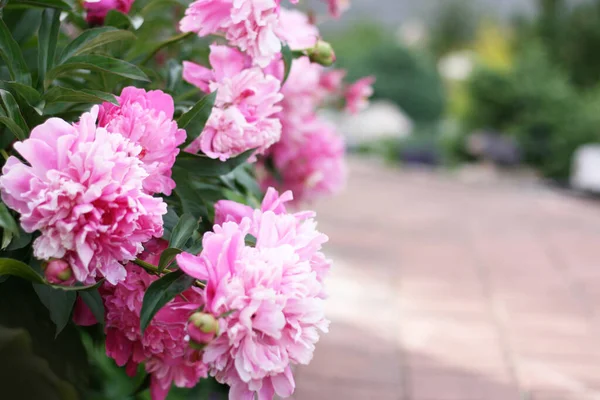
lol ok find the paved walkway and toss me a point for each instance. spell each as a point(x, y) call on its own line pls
point(446, 290)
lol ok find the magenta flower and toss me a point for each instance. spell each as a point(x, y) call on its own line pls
point(146, 118)
point(164, 347)
point(270, 294)
point(337, 7)
point(97, 9)
point(249, 25)
point(82, 190)
point(310, 159)
point(244, 114)
point(357, 94)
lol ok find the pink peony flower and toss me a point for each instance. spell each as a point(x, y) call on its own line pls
point(97, 9)
point(249, 25)
point(270, 294)
point(310, 159)
point(357, 94)
point(296, 30)
point(164, 347)
point(146, 118)
point(243, 116)
point(83, 191)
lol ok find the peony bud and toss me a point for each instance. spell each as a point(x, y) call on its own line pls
point(322, 54)
point(58, 272)
point(202, 328)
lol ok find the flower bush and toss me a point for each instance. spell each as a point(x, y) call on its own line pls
point(154, 156)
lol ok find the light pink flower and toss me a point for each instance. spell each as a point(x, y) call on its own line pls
point(244, 114)
point(357, 94)
point(302, 92)
point(249, 25)
point(96, 10)
point(296, 29)
point(82, 190)
point(310, 160)
point(146, 118)
point(273, 294)
point(164, 347)
point(332, 80)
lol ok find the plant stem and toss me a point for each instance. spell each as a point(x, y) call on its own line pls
point(153, 269)
point(148, 267)
point(4, 154)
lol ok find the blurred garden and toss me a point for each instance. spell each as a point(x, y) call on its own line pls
point(472, 86)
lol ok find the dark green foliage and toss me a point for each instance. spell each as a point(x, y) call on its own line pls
point(537, 104)
point(408, 77)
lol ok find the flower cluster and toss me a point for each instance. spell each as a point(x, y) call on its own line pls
point(98, 193)
point(309, 158)
point(244, 114)
point(268, 296)
point(164, 346)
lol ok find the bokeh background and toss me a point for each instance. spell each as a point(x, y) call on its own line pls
point(467, 242)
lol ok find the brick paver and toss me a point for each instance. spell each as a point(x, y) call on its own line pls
point(450, 290)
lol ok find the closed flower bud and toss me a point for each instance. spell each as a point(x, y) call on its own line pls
point(322, 54)
point(58, 272)
point(202, 329)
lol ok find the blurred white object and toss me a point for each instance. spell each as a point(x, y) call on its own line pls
point(412, 33)
point(585, 174)
point(456, 66)
point(381, 120)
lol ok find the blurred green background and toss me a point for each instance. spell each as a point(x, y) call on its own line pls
point(525, 79)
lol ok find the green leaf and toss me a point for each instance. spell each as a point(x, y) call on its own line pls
point(96, 62)
point(118, 20)
point(183, 230)
point(9, 266)
point(170, 219)
point(63, 94)
point(93, 300)
point(160, 292)
point(194, 120)
point(288, 58)
point(47, 38)
point(29, 94)
point(158, 4)
point(11, 53)
point(13, 127)
point(58, 302)
point(151, 50)
point(191, 201)
point(9, 226)
point(93, 38)
point(167, 257)
point(203, 166)
point(14, 114)
point(61, 5)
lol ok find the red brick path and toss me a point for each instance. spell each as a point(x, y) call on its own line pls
point(445, 290)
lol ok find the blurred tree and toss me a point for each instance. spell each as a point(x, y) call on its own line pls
point(454, 27)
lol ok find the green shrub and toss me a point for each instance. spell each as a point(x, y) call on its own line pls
point(406, 76)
